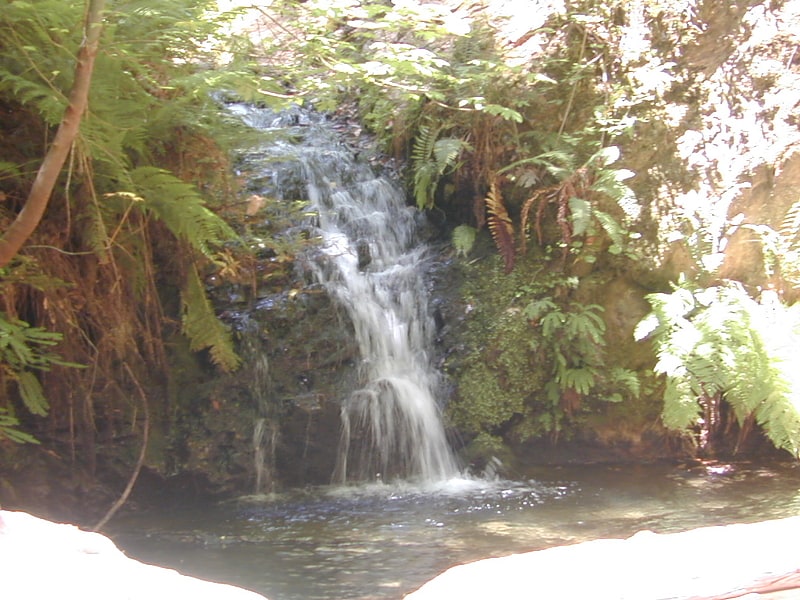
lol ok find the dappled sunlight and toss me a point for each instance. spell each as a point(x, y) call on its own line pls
point(736, 123)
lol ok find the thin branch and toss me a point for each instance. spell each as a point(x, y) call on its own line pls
point(134, 476)
point(39, 196)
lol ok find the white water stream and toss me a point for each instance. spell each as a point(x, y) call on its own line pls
point(391, 426)
point(371, 263)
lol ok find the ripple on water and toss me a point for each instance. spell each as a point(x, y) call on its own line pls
point(383, 539)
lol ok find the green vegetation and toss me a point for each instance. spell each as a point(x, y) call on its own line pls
point(599, 142)
point(23, 351)
point(717, 344)
point(538, 366)
point(136, 216)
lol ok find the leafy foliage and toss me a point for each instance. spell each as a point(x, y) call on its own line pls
point(202, 326)
point(573, 337)
point(578, 198)
point(718, 344)
point(539, 365)
point(500, 225)
point(23, 348)
point(432, 158)
point(464, 239)
point(23, 351)
point(135, 215)
point(181, 208)
point(9, 429)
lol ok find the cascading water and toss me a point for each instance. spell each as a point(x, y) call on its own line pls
point(391, 426)
point(371, 263)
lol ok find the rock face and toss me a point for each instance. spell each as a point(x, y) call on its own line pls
point(754, 560)
point(45, 560)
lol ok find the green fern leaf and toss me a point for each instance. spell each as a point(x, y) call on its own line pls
point(425, 166)
point(626, 378)
point(537, 308)
point(681, 408)
point(581, 215)
point(203, 328)
point(9, 429)
point(613, 230)
point(446, 151)
point(464, 239)
point(32, 394)
point(581, 379)
point(181, 208)
point(509, 114)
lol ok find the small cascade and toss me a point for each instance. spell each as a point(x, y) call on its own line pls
point(372, 265)
point(265, 430)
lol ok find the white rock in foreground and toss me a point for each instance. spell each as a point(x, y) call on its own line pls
point(735, 561)
point(41, 560)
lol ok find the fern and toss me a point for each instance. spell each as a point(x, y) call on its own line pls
point(181, 208)
point(203, 328)
point(500, 226)
point(581, 379)
point(9, 429)
point(446, 151)
point(790, 225)
point(432, 158)
point(464, 239)
point(581, 215)
point(574, 340)
point(539, 198)
point(718, 343)
point(23, 350)
point(425, 168)
point(681, 407)
point(613, 230)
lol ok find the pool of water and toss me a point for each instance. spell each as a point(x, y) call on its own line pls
point(381, 541)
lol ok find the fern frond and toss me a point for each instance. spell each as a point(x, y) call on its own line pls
point(500, 226)
point(626, 378)
point(33, 94)
point(94, 233)
point(9, 429)
point(464, 239)
point(182, 209)
point(203, 328)
point(539, 197)
point(779, 415)
point(580, 212)
point(681, 408)
point(579, 379)
point(446, 151)
point(425, 167)
point(32, 394)
point(613, 230)
point(425, 177)
point(8, 169)
point(790, 225)
point(423, 143)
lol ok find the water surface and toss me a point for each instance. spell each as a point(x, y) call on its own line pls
point(381, 541)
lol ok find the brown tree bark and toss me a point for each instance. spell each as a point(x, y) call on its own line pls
point(39, 196)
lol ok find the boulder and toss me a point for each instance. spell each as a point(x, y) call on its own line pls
point(43, 560)
point(758, 560)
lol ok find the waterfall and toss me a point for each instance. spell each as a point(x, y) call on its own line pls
point(371, 263)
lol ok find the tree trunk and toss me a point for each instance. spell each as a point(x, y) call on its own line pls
point(31, 214)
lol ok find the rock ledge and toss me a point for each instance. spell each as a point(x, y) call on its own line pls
point(44, 560)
